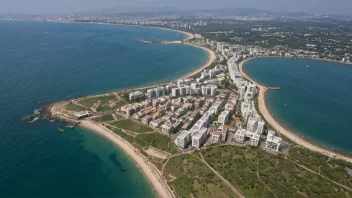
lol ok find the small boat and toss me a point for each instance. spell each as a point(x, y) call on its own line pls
point(285, 104)
point(307, 65)
point(61, 130)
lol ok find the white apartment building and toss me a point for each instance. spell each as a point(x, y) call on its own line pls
point(151, 93)
point(156, 123)
point(273, 142)
point(223, 129)
point(240, 136)
point(260, 127)
point(215, 136)
point(199, 137)
point(254, 138)
point(136, 95)
point(183, 139)
point(167, 128)
point(224, 117)
point(175, 92)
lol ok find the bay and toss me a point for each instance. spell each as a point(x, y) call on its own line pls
point(314, 100)
point(42, 63)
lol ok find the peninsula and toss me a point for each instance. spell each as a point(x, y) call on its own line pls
point(213, 112)
point(210, 133)
point(204, 114)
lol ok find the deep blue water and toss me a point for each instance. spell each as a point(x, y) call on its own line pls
point(42, 63)
point(317, 97)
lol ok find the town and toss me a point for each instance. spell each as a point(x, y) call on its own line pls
point(301, 35)
point(210, 117)
point(204, 134)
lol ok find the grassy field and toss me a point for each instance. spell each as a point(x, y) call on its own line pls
point(118, 117)
point(151, 139)
point(158, 141)
point(106, 106)
point(106, 118)
point(104, 102)
point(89, 102)
point(260, 174)
point(194, 178)
point(125, 136)
point(74, 107)
point(333, 169)
point(133, 126)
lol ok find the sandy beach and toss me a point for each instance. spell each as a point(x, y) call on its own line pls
point(282, 130)
point(160, 186)
point(150, 172)
point(211, 59)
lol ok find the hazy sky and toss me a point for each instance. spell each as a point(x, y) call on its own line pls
point(59, 6)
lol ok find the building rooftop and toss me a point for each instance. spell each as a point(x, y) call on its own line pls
point(200, 133)
point(183, 134)
point(216, 133)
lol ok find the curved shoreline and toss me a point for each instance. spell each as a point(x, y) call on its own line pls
point(160, 186)
point(211, 59)
point(277, 126)
point(211, 53)
point(149, 170)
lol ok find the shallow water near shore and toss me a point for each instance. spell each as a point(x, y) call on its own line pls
point(42, 63)
point(314, 100)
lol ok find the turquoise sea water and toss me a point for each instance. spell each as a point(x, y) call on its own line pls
point(42, 63)
point(318, 98)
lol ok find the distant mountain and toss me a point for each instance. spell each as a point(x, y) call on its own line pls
point(137, 9)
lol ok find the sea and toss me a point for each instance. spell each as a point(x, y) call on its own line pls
point(45, 62)
point(314, 100)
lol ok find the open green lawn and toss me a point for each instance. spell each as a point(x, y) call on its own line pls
point(106, 106)
point(74, 107)
point(194, 178)
point(118, 117)
point(106, 118)
point(278, 177)
point(132, 125)
point(158, 141)
point(89, 102)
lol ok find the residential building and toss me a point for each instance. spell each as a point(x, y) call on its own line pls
point(215, 136)
point(240, 136)
point(183, 139)
point(136, 95)
point(224, 117)
point(199, 137)
point(273, 142)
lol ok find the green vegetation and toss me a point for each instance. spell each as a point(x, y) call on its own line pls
point(102, 103)
point(158, 141)
point(125, 136)
point(151, 139)
point(89, 102)
point(106, 118)
point(333, 169)
point(118, 117)
point(74, 107)
point(132, 125)
point(157, 164)
point(260, 174)
point(194, 178)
